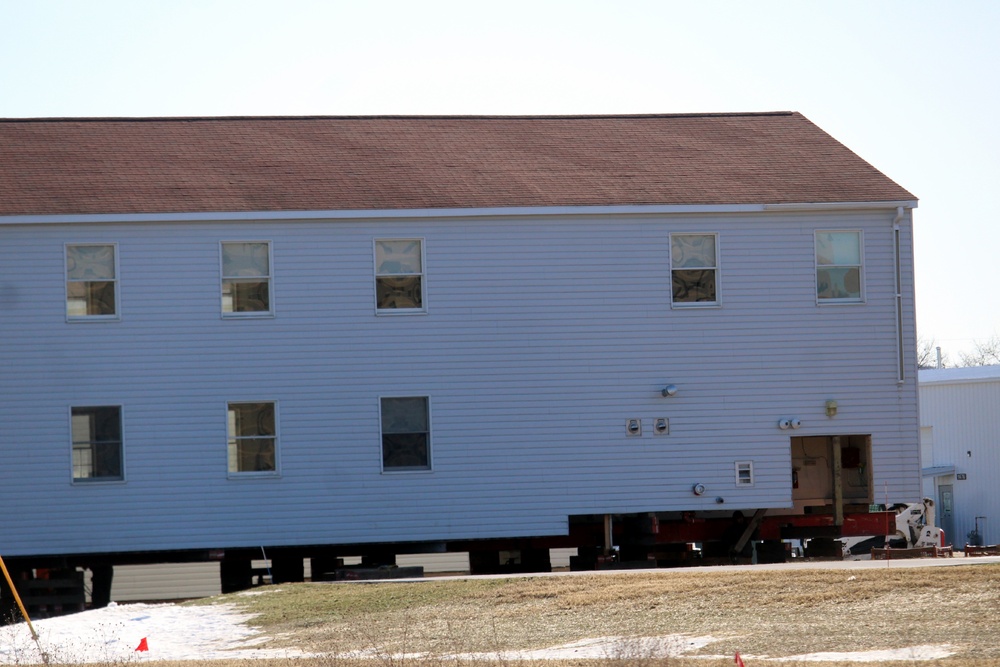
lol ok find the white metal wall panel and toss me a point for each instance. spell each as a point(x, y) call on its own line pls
point(962, 406)
point(168, 581)
point(542, 336)
point(181, 581)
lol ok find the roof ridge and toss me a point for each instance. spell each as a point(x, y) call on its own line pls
point(140, 119)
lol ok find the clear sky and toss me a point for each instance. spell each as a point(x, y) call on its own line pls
point(912, 86)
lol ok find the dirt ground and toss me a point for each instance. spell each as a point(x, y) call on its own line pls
point(927, 610)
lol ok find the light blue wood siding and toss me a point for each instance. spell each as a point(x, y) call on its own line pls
point(542, 336)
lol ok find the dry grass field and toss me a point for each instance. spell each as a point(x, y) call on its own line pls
point(763, 614)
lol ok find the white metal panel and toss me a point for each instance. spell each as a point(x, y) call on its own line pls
point(962, 406)
point(181, 581)
point(169, 581)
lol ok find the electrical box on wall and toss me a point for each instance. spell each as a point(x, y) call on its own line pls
point(633, 427)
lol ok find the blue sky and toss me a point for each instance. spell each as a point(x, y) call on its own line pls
point(911, 86)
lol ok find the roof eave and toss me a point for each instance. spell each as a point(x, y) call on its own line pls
point(502, 211)
point(840, 206)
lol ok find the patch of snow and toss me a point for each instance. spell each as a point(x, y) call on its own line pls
point(671, 646)
point(908, 653)
point(113, 633)
point(593, 648)
point(247, 594)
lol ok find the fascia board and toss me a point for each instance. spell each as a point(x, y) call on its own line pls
point(380, 214)
point(840, 206)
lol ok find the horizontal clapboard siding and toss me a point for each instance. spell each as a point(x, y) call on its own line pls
point(542, 336)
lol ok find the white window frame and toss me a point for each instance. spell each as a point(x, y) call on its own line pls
point(422, 275)
point(254, 474)
point(717, 268)
point(269, 279)
point(115, 281)
point(108, 479)
point(740, 466)
point(399, 470)
point(861, 268)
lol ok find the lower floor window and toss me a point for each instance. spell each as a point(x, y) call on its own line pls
point(406, 433)
point(97, 443)
point(252, 445)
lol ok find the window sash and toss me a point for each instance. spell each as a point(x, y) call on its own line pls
point(242, 295)
point(399, 293)
point(251, 455)
point(693, 287)
point(91, 281)
point(90, 298)
point(405, 451)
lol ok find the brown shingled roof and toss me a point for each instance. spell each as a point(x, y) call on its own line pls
point(167, 165)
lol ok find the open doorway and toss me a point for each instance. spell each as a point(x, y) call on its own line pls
point(831, 470)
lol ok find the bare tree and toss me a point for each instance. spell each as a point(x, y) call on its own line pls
point(927, 354)
point(984, 353)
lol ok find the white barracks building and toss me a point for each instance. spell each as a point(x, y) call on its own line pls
point(370, 336)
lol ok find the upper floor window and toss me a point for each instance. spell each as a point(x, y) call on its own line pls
point(399, 275)
point(838, 267)
point(246, 278)
point(694, 269)
point(406, 433)
point(97, 443)
point(91, 281)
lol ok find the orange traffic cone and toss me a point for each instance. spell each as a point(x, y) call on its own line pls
point(143, 646)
